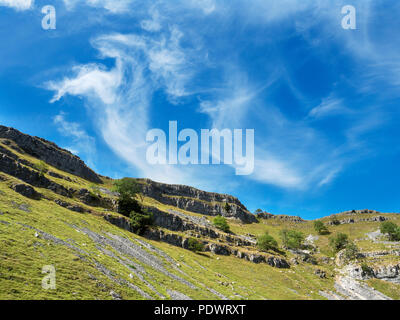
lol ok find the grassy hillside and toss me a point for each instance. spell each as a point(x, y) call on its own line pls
point(97, 260)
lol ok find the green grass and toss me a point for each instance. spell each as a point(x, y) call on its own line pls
point(22, 255)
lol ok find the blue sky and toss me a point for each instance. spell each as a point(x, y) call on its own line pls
point(323, 101)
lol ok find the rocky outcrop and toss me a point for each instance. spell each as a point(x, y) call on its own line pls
point(198, 201)
point(182, 242)
point(26, 191)
point(96, 200)
point(303, 256)
point(377, 254)
point(50, 153)
point(267, 216)
point(357, 212)
point(353, 290)
point(32, 177)
point(218, 249)
point(352, 220)
point(59, 176)
point(69, 206)
point(390, 272)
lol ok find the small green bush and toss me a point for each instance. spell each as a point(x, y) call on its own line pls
point(227, 207)
point(195, 245)
point(339, 242)
point(292, 239)
point(391, 229)
point(351, 252)
point(266, 242)
point(221, 223)
point(320, 227)
point(367, 269)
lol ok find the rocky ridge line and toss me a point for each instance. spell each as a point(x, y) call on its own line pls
point(50, 153)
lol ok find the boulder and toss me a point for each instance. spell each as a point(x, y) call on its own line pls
point(219, 249)
point(27, 191)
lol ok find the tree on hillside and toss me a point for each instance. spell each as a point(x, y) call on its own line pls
point(339, 242)
point(391, 229)
point(351, 252)
point(195, 245)
point(127, 188)
point(266, 242)
point(221, 223)
point(128, 206)
point(320, 227)
point(140, 221)
point(292, 239)
point(227, 207)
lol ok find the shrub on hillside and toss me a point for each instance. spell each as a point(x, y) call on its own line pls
point(367, 269)
point(127, 205)
point(391, 229)
point(195, 245)
point(320, 227)
point(339, 242)
point(140, 221)
point(227, 207)
point(266, 242)
point(221, 223)
point(292, 239)
point(351, 252)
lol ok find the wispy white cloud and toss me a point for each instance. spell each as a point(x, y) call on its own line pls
point(81, 144)
point(154, 23)
point(18, 4)
point(120, 97)
point(328, 107)
point(290, 153)
point(89, 80)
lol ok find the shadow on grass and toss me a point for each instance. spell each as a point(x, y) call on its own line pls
point(203, 255)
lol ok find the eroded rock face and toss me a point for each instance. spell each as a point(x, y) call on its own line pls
point(182, 242)
point(50, 153)
point(352, 220)
point(389, 272)
point(267, 216)
point(93, 200)
point(27, 191)
point(220, 250)
point(32, 177)
point(198, 201)
point(70, 206)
